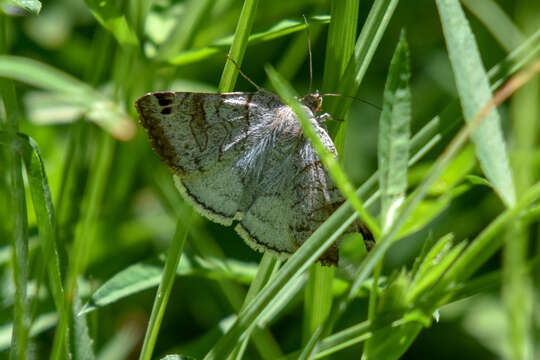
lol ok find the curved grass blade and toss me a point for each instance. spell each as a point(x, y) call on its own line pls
point(474, 92)
point(143, 276)
point(183, 33)
point(89, 102)
point(111, 16)
point(282, 28)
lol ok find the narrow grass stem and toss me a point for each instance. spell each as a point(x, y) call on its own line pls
point(163, 292)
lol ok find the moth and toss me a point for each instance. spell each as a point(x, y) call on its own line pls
point(241, 157)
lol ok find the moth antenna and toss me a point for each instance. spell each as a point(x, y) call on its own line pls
point(356, 98)
point(310, 54)
point(260, 89)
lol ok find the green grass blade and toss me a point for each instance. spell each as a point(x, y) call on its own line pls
point(474, 92)
point(239, 46)
point(40, 75)
point(267, 268)
point(496, 21)
point(339, 47)
point(317, 299)
point(345, 338)
point(394, 134)
point(164, 291)
point(183, 33)
point(19, 222)
point(111, 16)
point(340, 41)
point(85, 230)
point(518, 287)
point(429, 135)
point(82, 346)
point(69, 90)
point(487, 243)
point(294, 56)
point(434, 131)
point(368, 41)
point(280, 29)
point(46, 222)
point(143, 276)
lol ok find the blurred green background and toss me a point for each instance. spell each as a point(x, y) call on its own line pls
point(135, 221)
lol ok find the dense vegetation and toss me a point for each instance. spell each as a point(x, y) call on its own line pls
point(91, 223)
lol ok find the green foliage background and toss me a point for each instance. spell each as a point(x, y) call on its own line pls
point(89, 212)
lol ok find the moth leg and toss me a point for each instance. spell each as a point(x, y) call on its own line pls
point(322, 118)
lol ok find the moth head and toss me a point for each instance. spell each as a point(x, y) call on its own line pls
point(313, 101)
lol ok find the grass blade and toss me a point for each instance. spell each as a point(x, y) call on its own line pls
point(496, 21)
point(280, 29)
point(368, 40)
point(182, 35)
point(340, 45)
point(394, 134)
point(89, 102)
point(473, 89)
point(111, 16)
point(239, 46)
point(19, 223)
point(46, 222)
point(163, 292)
point(340, 41)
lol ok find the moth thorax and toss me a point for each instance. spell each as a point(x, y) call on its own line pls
point(312, 101)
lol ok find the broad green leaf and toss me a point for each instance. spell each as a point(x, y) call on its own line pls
point(282, 28)
point(394, 134)
point(32, 6)
point(111, 16)
point(474, 93)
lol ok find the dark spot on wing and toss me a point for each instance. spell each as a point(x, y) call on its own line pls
point(164, 98)
point(166, 111)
